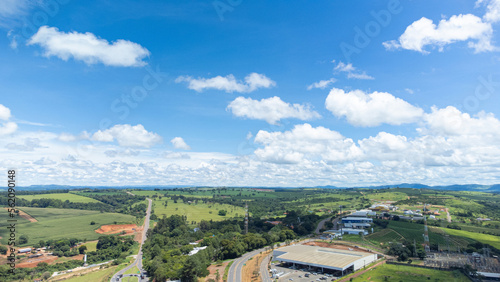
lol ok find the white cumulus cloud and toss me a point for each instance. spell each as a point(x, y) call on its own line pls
point(89, 48)
point(424, 32)
point(322, 84)
point(305, 142)
point(7, 127)
point(371, 109)
point(351, 71)
point(128, 135)
point(452, 122)
point(228, 83)
point(492, 10)
point(179, 143)
point(271, 109)
point(4, 112)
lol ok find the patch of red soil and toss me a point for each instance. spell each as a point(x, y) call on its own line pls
point(213, 271)
point(118, 228)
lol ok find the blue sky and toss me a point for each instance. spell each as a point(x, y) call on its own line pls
point(268, 93)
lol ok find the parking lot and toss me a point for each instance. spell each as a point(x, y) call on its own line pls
point(301, 275)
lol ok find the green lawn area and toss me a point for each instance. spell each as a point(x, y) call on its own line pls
point(97, 276)
point(409, 274)
point(387, 196)
point(60, 196)
point(483, 238)
point(64, 223)
point(91, 246)
point(197, 212)
point(133, 270)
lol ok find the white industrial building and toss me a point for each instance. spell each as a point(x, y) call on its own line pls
point(340, 262)
point(343, 231)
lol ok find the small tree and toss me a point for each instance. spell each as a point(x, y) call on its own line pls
point(46, 275)
point(82, 249)
point(222, 212)
point(23, 239)
point(92, 223)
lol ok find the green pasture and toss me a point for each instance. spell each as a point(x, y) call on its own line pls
point(491, 240)
point(391, 272)
point(60, 196)
point(64, 223)
point(197, 212)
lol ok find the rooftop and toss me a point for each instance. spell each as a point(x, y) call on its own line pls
point(320, 257)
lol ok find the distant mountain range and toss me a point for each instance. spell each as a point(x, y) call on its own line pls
point(457, 187)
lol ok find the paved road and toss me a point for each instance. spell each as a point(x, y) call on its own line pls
point(138, 260)
point(321, 224)
point(264, 271)
point(236, 268)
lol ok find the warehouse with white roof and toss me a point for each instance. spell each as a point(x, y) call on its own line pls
point(324, 259)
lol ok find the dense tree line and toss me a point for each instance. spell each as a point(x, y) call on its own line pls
point(43, 270)
point(167, 245)
point(406, 249)
point(120, 203)
point(108, 248)
point(111, 247)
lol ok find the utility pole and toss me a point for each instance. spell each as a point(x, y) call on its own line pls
point(341, 226)
point(246, 218)
point(427, 244)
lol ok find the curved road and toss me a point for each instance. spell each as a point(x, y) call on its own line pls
point(264, 272)
point(236, 268)
point(138, 260)
point(321, 224)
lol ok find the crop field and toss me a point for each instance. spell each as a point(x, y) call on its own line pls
point(483, 238)
point(4, 216)
point(97, 276)
point(414, 231)
point(197, 212)
point(60, 196)
point(387, 196)
point(385, 235)
point(391, 272)
point(64, 223)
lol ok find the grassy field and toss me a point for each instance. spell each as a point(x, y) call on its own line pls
point(414, 231)
point(133, 270)
point(98, 276)
point(197, 212)
point(483, 238)
point(64, 223)
point(386, 196)
point(91, 246)
point(385, 235)
point(409, 274)
point(60, 196)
